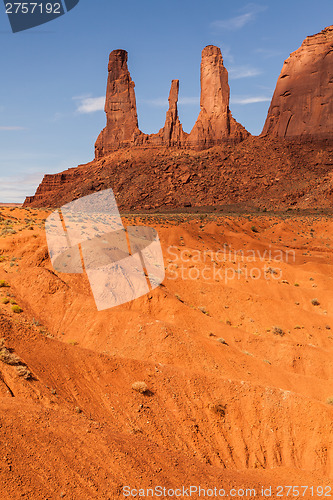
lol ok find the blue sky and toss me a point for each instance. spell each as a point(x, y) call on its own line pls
point(53, 77)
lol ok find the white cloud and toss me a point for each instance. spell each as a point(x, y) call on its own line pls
point(249, 100)
point(11, 128)
point(237, 72)
point(89, 104)
point(15, 189)
point(234, 23)
point(249, 13)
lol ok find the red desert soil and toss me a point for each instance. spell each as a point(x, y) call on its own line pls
point(239, 370)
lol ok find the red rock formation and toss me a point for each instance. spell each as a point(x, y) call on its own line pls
point(215, 123)
point(261, 171)
point(302, 104)
point(120, 107)
point(252, 171)
point(173, 134)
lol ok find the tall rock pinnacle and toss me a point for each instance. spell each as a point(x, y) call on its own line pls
point(173, 134)
point(120, 107)
point(302, 104)
point(215, 123)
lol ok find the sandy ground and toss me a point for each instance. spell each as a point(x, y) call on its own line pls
point(235, 348)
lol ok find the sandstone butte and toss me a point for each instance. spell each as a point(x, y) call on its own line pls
point(214, 125)
point(302, 104)
point(218, 162)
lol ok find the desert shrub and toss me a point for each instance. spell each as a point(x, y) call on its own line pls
point(222, 341)
point(329, 400)
point(8, 357)
point(8, 231)
point(271, 270)
point(72, 342)
point(3, 284)
point(5, 300)
point(278, 331)
point(254, 229)
point(315, 302)
point(203, 310)
point(218, 408)
point(16, 309)
point(23, 371)
point(140, 387)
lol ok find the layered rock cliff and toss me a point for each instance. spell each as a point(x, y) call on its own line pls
point(302, 104)
point(215, 123)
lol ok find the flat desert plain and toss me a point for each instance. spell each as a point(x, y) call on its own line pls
point(233, 353)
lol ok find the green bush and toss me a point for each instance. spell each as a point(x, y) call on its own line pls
point(16, 309)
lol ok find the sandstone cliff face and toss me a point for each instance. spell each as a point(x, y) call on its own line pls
point(215, 123)
point(302, 104)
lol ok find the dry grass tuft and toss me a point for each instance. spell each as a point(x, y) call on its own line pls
point(140, 387)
